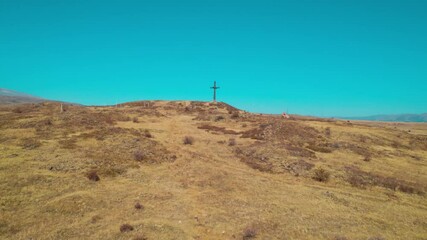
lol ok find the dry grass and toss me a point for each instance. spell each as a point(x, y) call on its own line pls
point(208, 190)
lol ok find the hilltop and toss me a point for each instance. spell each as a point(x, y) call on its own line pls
point(200, 170)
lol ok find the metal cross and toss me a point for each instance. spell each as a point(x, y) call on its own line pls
point(214, 88)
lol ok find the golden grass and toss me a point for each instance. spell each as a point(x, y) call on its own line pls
point(204, 190)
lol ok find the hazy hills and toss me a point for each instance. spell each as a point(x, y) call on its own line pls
point(394, 118)
point(13, 97)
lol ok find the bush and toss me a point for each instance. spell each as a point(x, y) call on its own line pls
point(219, 118)
point(321, 175)
point(138, 155)
point(249, 233)
point(140, 237)
point(367, 158)
point(231, 142)
point(126, 228)
point(17, 110)
point(235, 115)
point(135, 120)
point(138, 206)
point(147, 134)
point(188, 140)
point(93, 176)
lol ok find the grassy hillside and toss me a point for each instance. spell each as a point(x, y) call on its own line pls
point(194, 170)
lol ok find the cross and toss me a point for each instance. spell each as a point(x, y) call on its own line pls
point(214, 88)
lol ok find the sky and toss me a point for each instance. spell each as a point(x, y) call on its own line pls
point(319, 57)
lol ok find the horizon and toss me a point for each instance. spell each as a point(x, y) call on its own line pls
point(326, 59)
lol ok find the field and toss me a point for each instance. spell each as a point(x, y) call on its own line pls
point(196, 170)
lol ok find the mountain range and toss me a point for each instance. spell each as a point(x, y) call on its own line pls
point(393, 118)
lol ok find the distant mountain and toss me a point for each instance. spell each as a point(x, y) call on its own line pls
point(394, 118)
point(12, 97)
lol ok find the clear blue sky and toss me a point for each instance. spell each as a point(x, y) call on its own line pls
point(325, 58)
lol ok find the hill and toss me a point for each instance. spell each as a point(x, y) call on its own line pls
point(394, 118)
point(13, 97)
point(198, 170)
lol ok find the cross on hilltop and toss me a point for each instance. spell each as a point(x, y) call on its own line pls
point(214, 89)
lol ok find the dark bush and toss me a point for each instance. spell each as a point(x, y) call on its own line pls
point(367, 158)
point(126, 228)
point(219, 118)
point(138, 206)
point(235, 115)
point(188, 140)
point(17, 110)
point(140, 237)
point(147, 134)
point(232, 142)
point(93, 176)
point(139, 155)
point(135, 120)
point(249, 233)
point(321, 175)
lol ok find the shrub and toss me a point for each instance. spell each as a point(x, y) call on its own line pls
point(219, 118)
point(126, 228)
point(367, 158)
point(135, 120)
point(93, 176)
point(140, 237)
point(138, 206)
point(147, 134)
point(138, 155)
point(321, 175)
point(231, 142)
point(188, 140)
point(249, 233)
point(235, 115)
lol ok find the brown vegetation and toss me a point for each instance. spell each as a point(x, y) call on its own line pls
point(93, 176)
point(126, 228)
point(321, 175)
point(188, 140)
